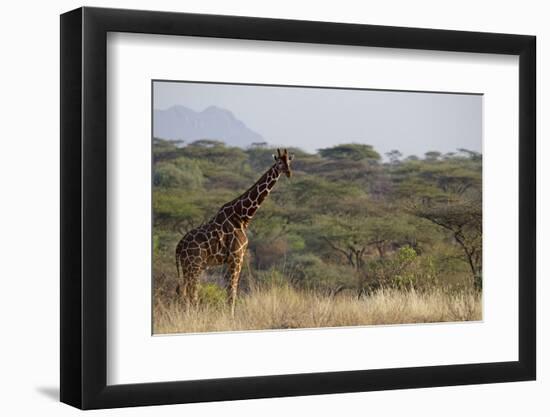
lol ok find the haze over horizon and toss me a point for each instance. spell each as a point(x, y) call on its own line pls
point(314, 118)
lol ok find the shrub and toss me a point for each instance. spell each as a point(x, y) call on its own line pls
point(181, 172)
point(271, 278)
point(269, 252)
point(310, 271)
point(403, 270)
point(212, 295)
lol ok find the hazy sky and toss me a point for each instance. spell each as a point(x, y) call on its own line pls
point(313, 118)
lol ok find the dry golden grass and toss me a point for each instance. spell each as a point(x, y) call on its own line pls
point(287, 308)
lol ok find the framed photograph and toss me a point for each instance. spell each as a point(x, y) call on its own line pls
point(257, 208)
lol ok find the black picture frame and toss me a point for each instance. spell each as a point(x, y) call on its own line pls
point(84, 207)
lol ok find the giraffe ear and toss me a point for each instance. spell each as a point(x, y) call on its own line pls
point(274, 157)
point(291, 157)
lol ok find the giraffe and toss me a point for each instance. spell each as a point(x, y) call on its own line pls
point(223, 239)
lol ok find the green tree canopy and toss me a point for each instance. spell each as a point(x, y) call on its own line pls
point(351, 151)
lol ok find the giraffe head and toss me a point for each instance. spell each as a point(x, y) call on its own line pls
point(283, 162)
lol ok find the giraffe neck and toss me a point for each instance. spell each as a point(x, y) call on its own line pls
point(244, 207)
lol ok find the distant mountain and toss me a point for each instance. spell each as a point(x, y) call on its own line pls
point(181, 123)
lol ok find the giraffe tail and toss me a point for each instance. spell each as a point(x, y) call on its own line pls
point(178, 264)
point(178, 261)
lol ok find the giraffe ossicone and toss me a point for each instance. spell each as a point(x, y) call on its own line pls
point(223, 239)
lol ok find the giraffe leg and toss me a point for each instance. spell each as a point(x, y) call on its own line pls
point(194, 290)
point(189, 288)
point(181, 289)
point(233, 274)
point(184, 291)
point(192, 266)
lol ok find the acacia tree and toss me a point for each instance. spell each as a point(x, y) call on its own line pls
point(394, 156)
point(432, 155)
point(447, 193)
point(464, 220)
point(361, 239)
point(351, 151)
point(345, 236)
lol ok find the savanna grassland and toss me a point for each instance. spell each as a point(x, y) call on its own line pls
point(284, 307)
point(351, 239)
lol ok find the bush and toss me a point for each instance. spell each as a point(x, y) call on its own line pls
point(181, 172)
point(271, 278)
point(212, 295)
point(269, 252)
point(310, 271)
point(403, 270)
